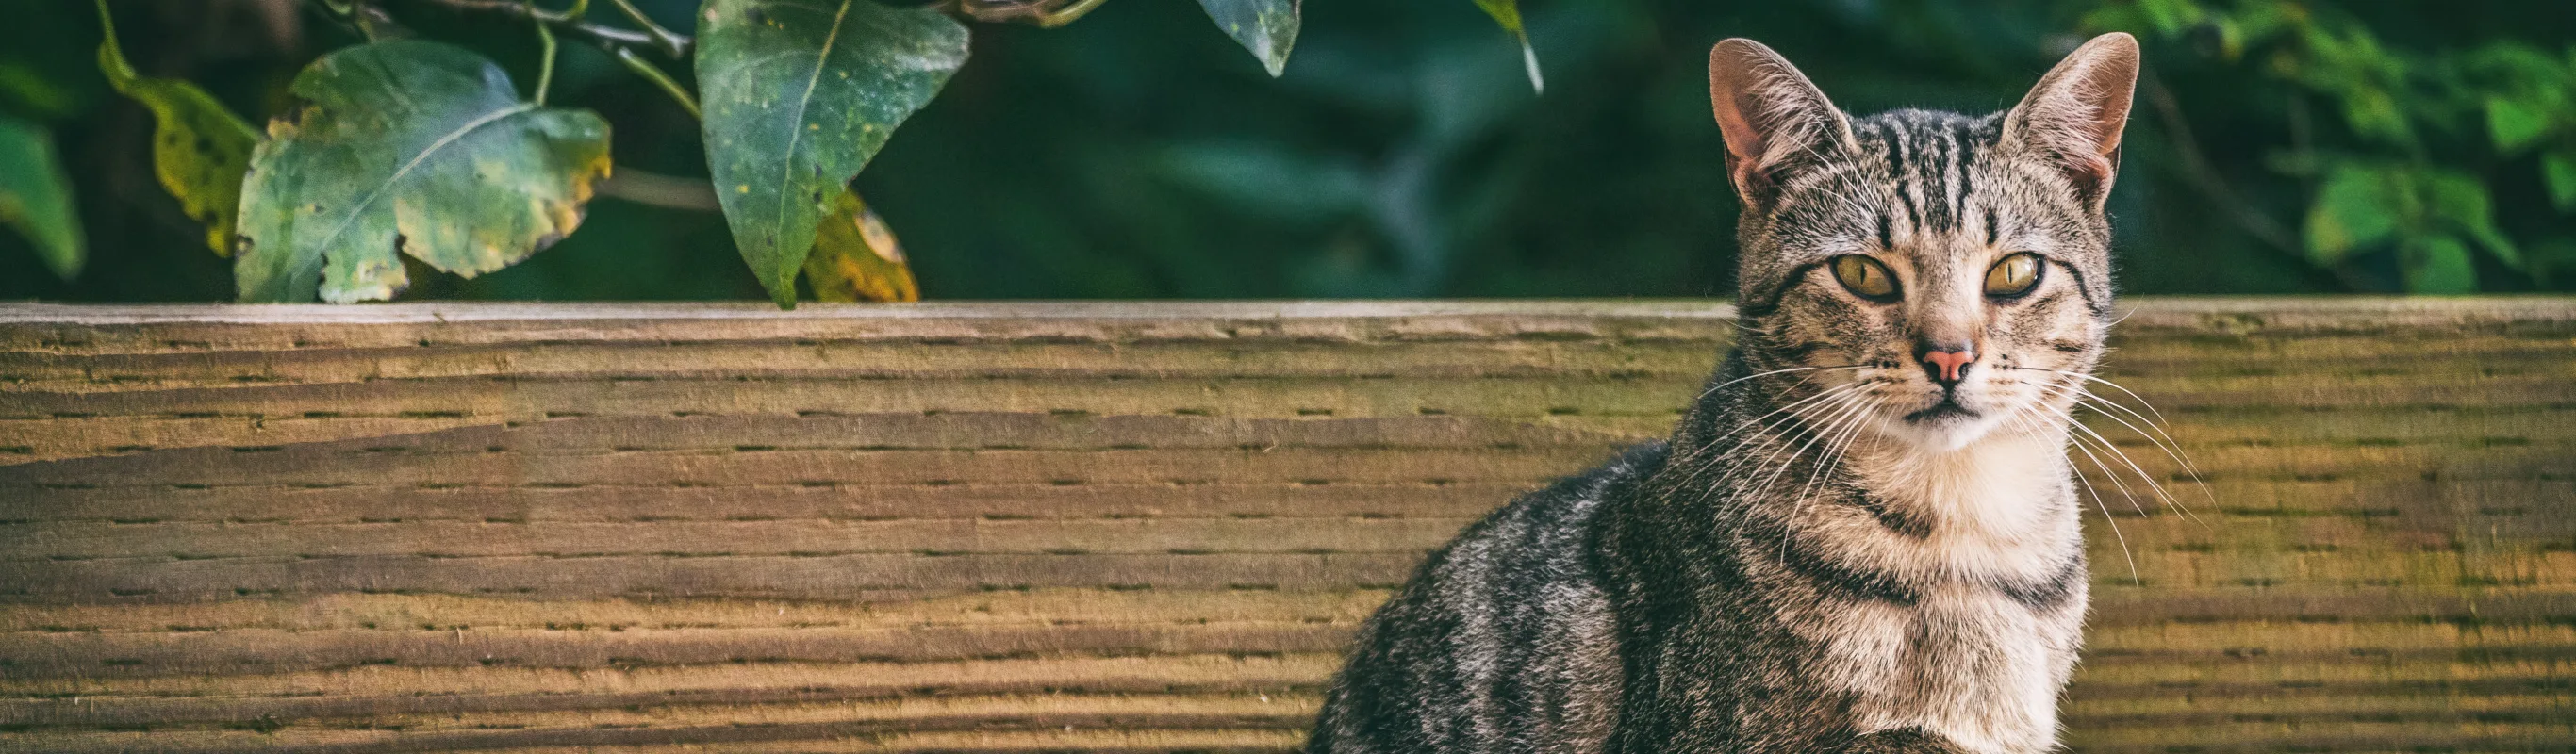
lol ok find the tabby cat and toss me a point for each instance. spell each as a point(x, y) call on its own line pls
point(1863, 536)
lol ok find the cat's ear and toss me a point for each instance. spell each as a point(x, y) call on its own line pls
point(1773, 117)
point(2073, 117)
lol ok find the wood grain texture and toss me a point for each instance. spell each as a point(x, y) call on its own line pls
point(1144, 527)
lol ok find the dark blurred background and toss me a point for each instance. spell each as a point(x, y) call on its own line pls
point(1139, 153)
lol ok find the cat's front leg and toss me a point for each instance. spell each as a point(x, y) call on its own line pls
point(1902, 741)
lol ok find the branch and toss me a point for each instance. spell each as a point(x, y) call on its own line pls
point(660, 190)
point(2205, 176)
point(570, 24)
point(1045, 14)
point(674, 45)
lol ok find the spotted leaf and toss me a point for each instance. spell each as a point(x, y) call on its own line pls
point(856, 257)
point(413, 147)
point(798, 95)
point(199, 148)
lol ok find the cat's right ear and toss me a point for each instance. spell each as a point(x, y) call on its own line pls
point(1773, 117)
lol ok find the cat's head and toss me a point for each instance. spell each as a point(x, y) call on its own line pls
point(1943, 273)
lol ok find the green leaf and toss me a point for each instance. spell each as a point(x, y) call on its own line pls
point(2463, 202)
point(1268, 28)
point(2512, 125)
point(856, 257)
point(36, 196)
point(798, 95)
point(2439, 264)
point(1508, 14)
point(199, 149)
point(409, 146)
point(2558, 169)
point(2357, 207)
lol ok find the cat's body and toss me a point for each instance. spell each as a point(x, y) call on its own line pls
point(1864, 535)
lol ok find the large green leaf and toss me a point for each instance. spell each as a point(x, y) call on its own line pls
point(199, 149)
point(36, 197)
point(408, 146)
point(856, 258)
point(798, 95)
point(1268, 28)
point(2357, 207)
point(1507, 13)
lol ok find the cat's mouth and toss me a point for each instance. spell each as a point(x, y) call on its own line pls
point(1947, 410)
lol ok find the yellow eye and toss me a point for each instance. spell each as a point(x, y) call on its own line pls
point(2013, 276)
point(1865, 277)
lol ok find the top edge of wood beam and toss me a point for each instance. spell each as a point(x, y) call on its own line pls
point(2184, 311)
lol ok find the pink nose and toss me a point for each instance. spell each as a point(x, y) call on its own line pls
point(1947, 365)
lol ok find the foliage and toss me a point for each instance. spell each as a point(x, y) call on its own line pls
point(1266, 28)
point(798, 95)
point(35, 197)
point(2398, 184)
point(199, 149)
point(2279, 145)
point(856, 257)
point(408, 147)
point(413, 147)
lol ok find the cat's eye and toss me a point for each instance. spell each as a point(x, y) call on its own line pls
point(1865, 277)
point(2013, 276)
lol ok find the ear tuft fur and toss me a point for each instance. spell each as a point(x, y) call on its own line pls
point(2074, 115)
point(1773, 117)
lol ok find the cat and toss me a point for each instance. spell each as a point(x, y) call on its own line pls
point(1863, 536)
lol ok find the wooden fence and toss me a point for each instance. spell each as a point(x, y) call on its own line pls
point(1149, 527)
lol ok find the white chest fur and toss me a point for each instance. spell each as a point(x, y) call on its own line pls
point(1965, 660)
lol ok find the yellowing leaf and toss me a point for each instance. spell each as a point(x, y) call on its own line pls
point(409, 146)
point(1266, 28)
point(799, 94)
point(856, 257)
point(36, 197)
point(199, 149)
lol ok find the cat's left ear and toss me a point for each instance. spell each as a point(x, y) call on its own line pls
point(2073, 117)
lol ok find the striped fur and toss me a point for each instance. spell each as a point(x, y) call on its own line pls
point(1834, 551)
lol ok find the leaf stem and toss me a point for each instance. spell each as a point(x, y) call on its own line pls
point(671, 44)
point(545, 68)
point(110, 51)
point(569, 22)
point(653, 73)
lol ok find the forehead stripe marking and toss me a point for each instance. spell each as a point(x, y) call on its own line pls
point(1897, 150)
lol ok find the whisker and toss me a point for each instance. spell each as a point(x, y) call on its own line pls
point(2107, 519)
point(1759, 428)
point(1772, 457)
point(1849, 408)
point(2141, 472)
point(1713, 390)
point(2163, 441)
